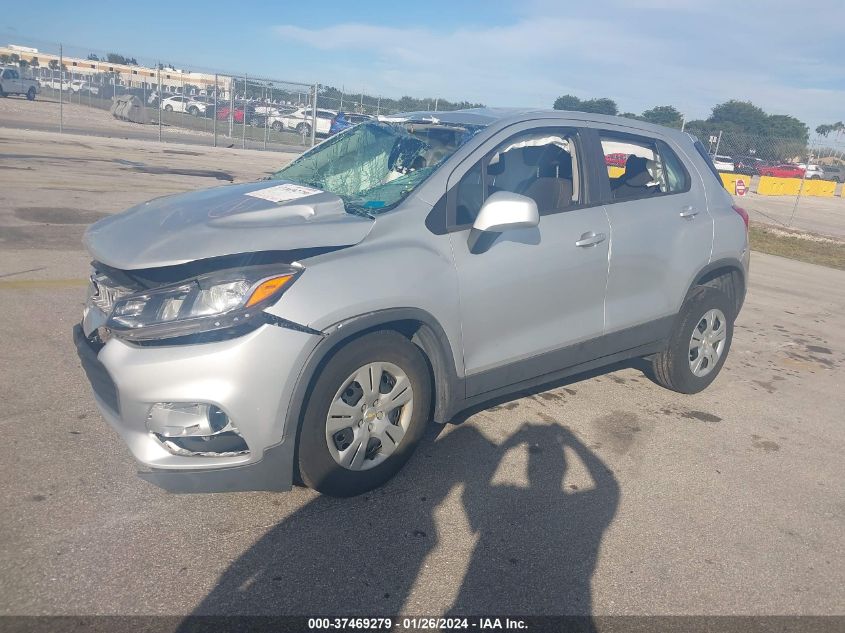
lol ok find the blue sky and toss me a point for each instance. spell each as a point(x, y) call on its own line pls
point(786, 56)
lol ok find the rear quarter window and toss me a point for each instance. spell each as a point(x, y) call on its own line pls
point(708, 161)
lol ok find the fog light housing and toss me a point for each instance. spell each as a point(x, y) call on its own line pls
point(195, 429)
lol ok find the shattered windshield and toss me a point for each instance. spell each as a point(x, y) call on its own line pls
point(374, 166)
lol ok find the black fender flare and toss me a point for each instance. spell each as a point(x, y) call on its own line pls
point(430, 337)
point(730, 263)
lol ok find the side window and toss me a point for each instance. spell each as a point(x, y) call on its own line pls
point(639, 167)
point(539, 164)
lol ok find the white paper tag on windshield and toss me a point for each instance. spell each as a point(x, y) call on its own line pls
point(283, 193)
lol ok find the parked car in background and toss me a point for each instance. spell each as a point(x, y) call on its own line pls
point(228, 344)
point(835, 173)
point(54, 83)
point(748, 165)
point(300, 121)
point(275, 117)
point(723, 163)
point(13, 83)
point(181, 103)
point(812, 172)
point(84, 87)
point(345, 120)
point(785, 170)
point(615, 159)
point(241, 112)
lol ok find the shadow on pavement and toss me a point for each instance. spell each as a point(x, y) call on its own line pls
point(535, 553)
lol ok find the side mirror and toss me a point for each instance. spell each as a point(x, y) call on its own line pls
point(504, 211)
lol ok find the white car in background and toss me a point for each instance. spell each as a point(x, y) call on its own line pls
point(180, 103)
point(84, 87)
point(299, 121)
point(812, 172)
point(723, 163)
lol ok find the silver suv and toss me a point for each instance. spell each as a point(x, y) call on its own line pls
point(308, 327)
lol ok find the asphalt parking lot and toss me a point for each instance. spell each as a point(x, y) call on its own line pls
point(605, 494)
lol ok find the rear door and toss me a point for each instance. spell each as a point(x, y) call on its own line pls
point(661, 233)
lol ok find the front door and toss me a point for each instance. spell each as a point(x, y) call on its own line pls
point(526, 295)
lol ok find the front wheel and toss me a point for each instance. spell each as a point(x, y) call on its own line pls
point(168, 108)
point(303, 129)
point(365, 416)
point(699, 343)
point(277, 125)
point(30, 94)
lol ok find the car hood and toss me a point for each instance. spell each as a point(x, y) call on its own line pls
point(269, 215)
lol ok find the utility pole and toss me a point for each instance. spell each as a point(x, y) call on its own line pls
point(61, 90)
point(158, 70)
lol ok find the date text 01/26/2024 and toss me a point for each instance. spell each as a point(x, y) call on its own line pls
point(416, 624)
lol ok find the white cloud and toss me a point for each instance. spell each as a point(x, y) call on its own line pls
point(645, 53)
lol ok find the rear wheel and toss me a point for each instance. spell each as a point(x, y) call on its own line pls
point(277, 125)
point(303, 129)
point(168, 108)
point(30, 94)
point(365, 415)
point(699, 343)
point(194, 111)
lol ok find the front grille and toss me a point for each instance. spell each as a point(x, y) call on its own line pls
point(100, 380)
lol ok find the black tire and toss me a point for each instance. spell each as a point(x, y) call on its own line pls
point(303, 128)
point(278, 126)
point(815, 177)
point(168, 108)
point(317, 468)
point(2, 93)
point(194, 111)
point(30, 94)
point(672, 365)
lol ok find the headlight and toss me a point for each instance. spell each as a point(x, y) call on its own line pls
point(215, 301)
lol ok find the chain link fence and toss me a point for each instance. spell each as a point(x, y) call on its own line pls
point(174, 102)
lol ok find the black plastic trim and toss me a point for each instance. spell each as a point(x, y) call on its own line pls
point(101, 382)
point(431, 339)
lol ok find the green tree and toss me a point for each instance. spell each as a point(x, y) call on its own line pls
point(5, 58)
point(600, 106)
point(744, 115)
point(787, 126)
point(567, 102)
point(663, 115)
point(827, 128)
point(92, 57)
point(53, 64)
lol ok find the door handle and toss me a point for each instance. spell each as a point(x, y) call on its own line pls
point(591, 239)
point(688, 212)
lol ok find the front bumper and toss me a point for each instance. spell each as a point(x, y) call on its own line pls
point(250, 377)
